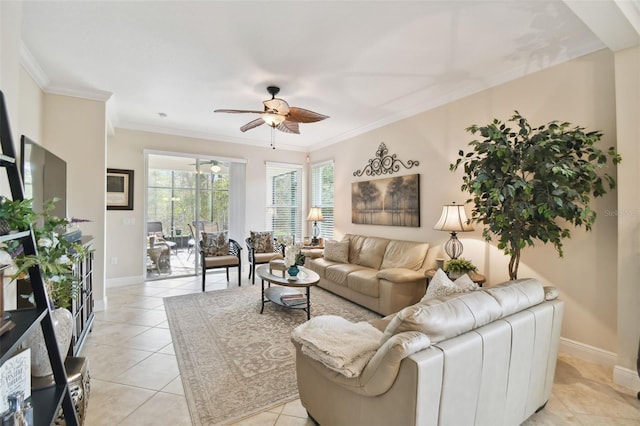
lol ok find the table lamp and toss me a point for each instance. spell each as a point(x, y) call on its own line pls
point(315, 215)
point(453, 219)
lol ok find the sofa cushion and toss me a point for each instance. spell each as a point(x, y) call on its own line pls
point(404, 254)
point(372, 252)
point(442, 319)
point(336, 251)
point(514, 296)
point(355, 245)
point(319, 265)
point(338, 273)
point(364, 281)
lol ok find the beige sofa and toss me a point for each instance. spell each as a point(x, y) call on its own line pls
point(486, 357)
point(381, 274)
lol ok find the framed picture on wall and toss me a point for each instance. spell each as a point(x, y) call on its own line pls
point(119, 189)
point(393, 201)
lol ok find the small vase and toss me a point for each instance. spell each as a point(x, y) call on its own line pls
point(293, 270)
point(63, 326)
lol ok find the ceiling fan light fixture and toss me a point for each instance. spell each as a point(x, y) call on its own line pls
point(272, 119)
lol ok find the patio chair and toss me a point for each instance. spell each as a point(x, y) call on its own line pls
point(191, 244)
point(155, 229)
point(218, 252)
point(260, 251)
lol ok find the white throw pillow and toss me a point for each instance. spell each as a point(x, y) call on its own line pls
point(336, 251)
point(440, 285)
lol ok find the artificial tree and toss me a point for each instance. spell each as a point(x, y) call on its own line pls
point(531, 183)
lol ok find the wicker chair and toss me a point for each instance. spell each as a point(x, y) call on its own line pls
point(261, 258)
point(231, 260)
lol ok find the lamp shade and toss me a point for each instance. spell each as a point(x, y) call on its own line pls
point(453, 219)
point(315, 214)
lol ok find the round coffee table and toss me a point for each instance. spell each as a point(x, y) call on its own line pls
point(286, 295)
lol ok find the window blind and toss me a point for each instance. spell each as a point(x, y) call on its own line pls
point(322, 195)
point(284, 199)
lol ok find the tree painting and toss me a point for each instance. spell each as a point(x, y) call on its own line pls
point(390, 201)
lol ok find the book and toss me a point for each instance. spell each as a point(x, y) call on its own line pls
point(15, 377)
point(292, 299)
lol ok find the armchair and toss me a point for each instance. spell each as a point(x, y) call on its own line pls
point(261, 253)
point(215, 256)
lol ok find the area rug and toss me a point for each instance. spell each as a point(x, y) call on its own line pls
point(234, 361)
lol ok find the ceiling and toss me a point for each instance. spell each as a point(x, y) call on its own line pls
point(363, 63)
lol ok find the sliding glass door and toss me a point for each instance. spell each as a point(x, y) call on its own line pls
point(186, 196)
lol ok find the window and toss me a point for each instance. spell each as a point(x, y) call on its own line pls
point(322, 195)
point(284, 199)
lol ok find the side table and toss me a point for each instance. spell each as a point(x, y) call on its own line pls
point(475, 277)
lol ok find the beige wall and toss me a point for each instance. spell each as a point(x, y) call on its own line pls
point(127, 240)
point(30, 108)
point(75, 130)
point(627, 64)
point(581, 92)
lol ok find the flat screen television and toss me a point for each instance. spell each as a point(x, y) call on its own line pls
point(44, 175)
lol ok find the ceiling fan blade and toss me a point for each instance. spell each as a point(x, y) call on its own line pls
point(277, 105)
point(239, 111)
point(289, 127)
point(301, 115)
point(250, 125)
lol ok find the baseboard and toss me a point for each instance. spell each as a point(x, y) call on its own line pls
point(624, 377)
point(588, 353)
point(124, 281)
point(621, 376)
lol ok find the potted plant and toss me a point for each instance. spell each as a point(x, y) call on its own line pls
point(456, 268)
point(530, 183)
point(15, 215)
point(56, 257)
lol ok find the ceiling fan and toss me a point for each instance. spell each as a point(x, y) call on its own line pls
point(278, 114)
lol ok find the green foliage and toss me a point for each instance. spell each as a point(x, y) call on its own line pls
point(18, 214)
point(55, 256)
point(530, 183)
point(460, 265)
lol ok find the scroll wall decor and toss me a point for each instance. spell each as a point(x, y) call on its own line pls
point(384, 163)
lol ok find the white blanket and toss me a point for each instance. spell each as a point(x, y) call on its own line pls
point(339, 344)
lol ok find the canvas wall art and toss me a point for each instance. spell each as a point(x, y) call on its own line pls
point(393, 201)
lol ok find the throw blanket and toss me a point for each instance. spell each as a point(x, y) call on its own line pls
point(339, 344)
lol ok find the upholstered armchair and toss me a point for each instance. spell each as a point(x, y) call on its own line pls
point(218, 252)
point(262, 247)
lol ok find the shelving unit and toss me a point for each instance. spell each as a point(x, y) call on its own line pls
point(45, 402)
point(82, 305)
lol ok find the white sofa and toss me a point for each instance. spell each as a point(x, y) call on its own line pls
point(486, 357)
point(381, 274)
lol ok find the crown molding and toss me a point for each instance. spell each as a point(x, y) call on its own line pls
point(32, 67)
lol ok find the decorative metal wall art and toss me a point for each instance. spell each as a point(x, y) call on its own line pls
point(384, 163)
point(392, 201)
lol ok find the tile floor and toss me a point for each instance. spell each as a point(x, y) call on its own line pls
point(135, 378)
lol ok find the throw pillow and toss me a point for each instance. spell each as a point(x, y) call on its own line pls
point(262, 242)
point(336, 251)
point(215, 244)
point(440, 285)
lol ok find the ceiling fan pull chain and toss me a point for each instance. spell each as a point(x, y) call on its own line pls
point(273, 138)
